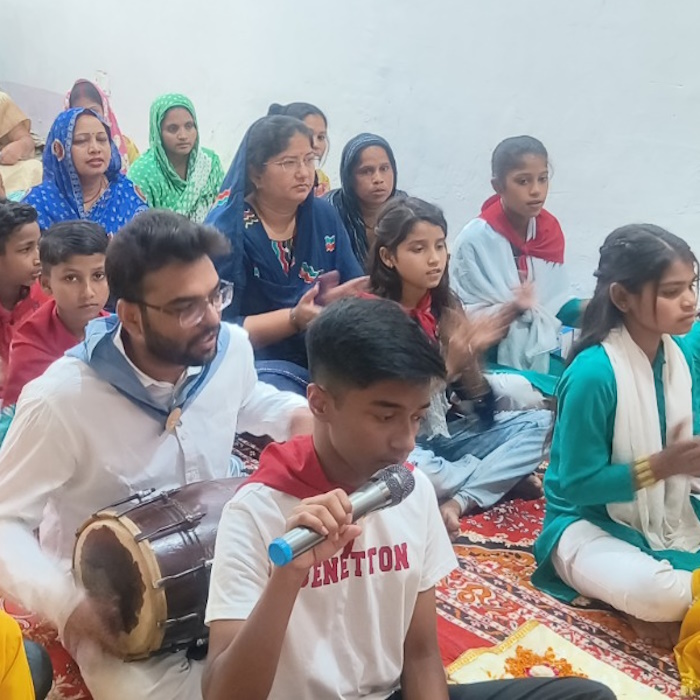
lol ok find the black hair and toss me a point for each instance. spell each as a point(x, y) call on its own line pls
point(509, 154)
point(395, 222)
point(267, 138)
point(153, 240)
point(298, 110)
point(12, 216)
point(357, 342)
point(65, 239)
point(631, 256)
point(84, 89)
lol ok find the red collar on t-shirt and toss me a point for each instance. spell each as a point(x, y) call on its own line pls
point(423, 313)
point(293, 468)
point(548, 243)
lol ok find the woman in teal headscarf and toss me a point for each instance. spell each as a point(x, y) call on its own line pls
point(176, 173)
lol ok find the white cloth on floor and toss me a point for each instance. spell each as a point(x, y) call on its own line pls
point(166, 677)
point(513, 392)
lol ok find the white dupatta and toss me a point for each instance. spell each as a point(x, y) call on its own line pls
point(483, 275)
point(663, 512)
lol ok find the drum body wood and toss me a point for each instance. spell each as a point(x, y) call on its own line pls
point(153, 559)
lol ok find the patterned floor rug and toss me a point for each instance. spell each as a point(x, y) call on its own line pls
point(490, 596)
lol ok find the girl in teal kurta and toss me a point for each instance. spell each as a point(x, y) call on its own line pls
point(621, 524)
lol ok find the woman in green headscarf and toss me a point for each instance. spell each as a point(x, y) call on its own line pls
point(176, 173)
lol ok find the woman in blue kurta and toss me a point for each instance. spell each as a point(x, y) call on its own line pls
point(283, 241)
point(82, 178)
point(621, 525)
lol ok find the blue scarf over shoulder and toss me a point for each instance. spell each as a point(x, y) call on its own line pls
point(104, 358)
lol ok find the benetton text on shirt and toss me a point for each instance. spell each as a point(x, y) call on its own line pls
point(358, 564)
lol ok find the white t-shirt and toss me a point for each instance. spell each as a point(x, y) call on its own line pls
point(346, 633)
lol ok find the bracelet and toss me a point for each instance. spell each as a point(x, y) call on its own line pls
point(643, 474)
point(294, 320)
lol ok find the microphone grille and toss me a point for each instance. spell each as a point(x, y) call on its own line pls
point(398, 480)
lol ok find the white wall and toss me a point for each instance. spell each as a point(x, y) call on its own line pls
point(612, 87)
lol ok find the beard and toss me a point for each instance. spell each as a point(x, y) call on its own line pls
point(182, 354)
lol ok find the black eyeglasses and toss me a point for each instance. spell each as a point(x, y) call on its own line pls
point(190, 313)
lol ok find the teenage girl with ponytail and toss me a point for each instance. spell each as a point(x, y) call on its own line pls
point(621, 525)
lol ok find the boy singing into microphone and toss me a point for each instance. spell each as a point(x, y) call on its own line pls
point(355, 616)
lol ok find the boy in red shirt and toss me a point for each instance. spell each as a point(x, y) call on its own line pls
point(72, 257)
point(20, 295)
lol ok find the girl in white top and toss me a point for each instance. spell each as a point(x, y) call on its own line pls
point(513, 240)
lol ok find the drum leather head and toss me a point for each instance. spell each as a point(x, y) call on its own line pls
point(110, 573)
point(114, 568)
point(150, 560)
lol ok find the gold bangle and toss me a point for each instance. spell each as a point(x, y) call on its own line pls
point(643, 473)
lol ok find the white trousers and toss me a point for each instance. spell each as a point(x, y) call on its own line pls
point(602, 567)
point(167, 677)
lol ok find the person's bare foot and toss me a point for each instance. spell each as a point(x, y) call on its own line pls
point(528, 488)
point(659, 634)
point(451, 512)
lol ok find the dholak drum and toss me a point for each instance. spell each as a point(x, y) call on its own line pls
point(151, 555)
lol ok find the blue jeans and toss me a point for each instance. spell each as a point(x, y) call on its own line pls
point(284, 375)
point(479, 467)
point(40, 668)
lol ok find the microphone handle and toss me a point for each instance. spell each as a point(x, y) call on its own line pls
point(301, 539)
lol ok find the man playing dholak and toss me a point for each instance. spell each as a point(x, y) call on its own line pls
point(152, 399)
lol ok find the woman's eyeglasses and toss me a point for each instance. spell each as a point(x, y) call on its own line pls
point(293, 165)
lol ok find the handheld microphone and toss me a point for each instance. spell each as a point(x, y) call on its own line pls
point(388, 487)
